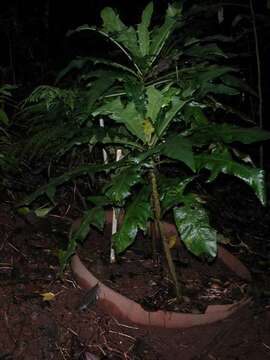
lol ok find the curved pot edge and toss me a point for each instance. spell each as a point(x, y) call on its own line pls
point(124, 308)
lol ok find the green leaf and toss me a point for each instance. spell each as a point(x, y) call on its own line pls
point(3, 117)
point(67, 176)
point(193, 225)
point(228, 134)
point(237, 83)
point(137, 215)
point(179, 148)
point(205, 51)
point(221, 161)
point(135, 92)
point(162, 33)
point(171, 191)
point(221, 89)
point(99, 200)
point(126, 115)
point(176, 105)
point(143, 32)
point(119, 31)
point(120, 185)
point(154, 104)
point(94, 217)
point(213, 72)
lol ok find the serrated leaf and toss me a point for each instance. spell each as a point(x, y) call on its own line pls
point(161, 34)
point(155, 101)
point(136, 218)
point(142, 29)
point(120, 185)
point(179, 148)
point(135, 92)
point(193, 225)
point(221, 161)
point(119, 31)
point(176, 105)
point(126, 115)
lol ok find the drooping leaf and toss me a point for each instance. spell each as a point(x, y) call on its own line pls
point(220, 89)
point(136, 217)
point(238, 83)
point(213, 72)
point(69, 175)
point(221, 161)
point(227, 133)
point(193, 225)
point(206, 51)
point(94, 217)
point(143, 32)
point(179, 148)
point(120, 185)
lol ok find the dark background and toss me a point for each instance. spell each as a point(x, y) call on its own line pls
point(34, 45)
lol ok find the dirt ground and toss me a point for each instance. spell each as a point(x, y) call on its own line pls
point(33, 328)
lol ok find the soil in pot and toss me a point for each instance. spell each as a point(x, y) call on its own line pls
point(135, 276)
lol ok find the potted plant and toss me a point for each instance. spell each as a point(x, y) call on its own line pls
point(159, 100)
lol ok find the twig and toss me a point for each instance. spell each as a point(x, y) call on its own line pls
point(17, 250)
point(124, 325)
point(123, 334)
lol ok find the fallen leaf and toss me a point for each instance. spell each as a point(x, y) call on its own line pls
point(48, 296)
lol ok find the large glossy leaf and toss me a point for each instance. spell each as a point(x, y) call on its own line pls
point(171, 191)
point(228, 134)
point(179, 148)
point(94, 217)
point(193, 225)
point(126, 115)
point(136, 218)
point(120, 185)
point(142, 29)
point(221, 161)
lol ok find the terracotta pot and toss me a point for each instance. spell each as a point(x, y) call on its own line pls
point(126, 309)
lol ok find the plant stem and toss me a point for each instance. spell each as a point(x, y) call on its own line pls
point(157, 214)
point(253, 17)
